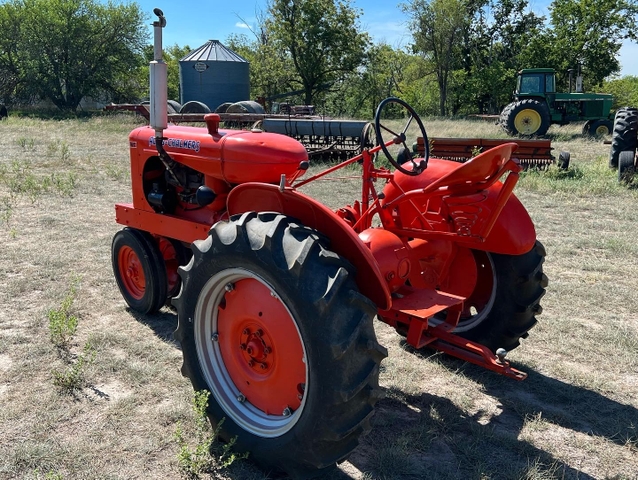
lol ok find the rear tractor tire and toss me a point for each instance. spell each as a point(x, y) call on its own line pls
point(526, 118)
point(271, 324)
point(625, 134)
point(506, 299)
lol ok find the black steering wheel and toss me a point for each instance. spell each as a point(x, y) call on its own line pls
point(404, 155)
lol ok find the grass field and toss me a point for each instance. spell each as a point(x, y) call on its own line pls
point(88, 389)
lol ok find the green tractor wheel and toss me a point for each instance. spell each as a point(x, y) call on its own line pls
point(526, 118)
point(527, 121)
point(598, 128)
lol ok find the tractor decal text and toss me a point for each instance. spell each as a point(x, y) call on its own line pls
point(177, 143)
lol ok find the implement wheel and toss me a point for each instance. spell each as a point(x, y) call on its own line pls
point(139, 270)
point(272, 325)
point(505, 300)
point(526, 118)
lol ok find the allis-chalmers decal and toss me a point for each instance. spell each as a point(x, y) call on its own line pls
point(177, 143)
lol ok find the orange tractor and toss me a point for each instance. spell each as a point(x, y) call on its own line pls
point(277, 295)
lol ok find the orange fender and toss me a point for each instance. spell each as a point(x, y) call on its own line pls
point(343, 240)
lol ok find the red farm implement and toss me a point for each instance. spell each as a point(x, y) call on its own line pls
point(277, 295)
point(529, 153)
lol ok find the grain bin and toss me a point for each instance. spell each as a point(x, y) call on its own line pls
point(213, 74)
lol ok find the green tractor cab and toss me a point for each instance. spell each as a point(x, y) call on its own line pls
point(537, 105)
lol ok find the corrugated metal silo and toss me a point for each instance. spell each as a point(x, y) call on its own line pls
point(213, 74)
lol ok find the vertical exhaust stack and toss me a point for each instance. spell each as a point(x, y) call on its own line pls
point(571, 78)
point(158, 81)
point(579, 80)
point(159, 93)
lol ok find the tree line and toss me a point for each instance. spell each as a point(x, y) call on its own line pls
point(463, 57)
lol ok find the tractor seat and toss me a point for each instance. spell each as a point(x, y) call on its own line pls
point(477, 173)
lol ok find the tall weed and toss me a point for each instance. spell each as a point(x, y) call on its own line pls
point(63, 324)
point(73, 377)
point(208, 455)
point(62, 328)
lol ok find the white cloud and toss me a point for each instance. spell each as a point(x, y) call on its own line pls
point(242, 25)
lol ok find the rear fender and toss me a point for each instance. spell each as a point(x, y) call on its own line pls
point(343, 240)
point(512, 234)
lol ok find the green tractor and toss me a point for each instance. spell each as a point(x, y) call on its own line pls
point(537, 106)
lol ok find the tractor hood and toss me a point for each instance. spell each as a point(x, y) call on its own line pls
point(235, 156)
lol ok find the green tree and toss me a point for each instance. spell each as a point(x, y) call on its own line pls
point(383, 75)
point(379, 77)
point(437, 27)
point(624, 90)
point(172, 55)
point(12, 85)
point(419, 86)
point(64, 50)
point(271, 71)
point(498, 34)
point(322, 38)
point(590, 33)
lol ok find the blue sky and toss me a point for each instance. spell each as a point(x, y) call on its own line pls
point(194, 22)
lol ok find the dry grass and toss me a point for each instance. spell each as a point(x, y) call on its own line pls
point(576, 416)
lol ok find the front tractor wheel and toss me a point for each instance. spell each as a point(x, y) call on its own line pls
point(272, 325)
point(626, 166)
point(173, 254)
point(599, 128)
point(526, 118)
point(139, 270)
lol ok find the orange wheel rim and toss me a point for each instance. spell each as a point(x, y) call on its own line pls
point(261, 347)
point(473, 276)
point(251, 352)
point(131, 272)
